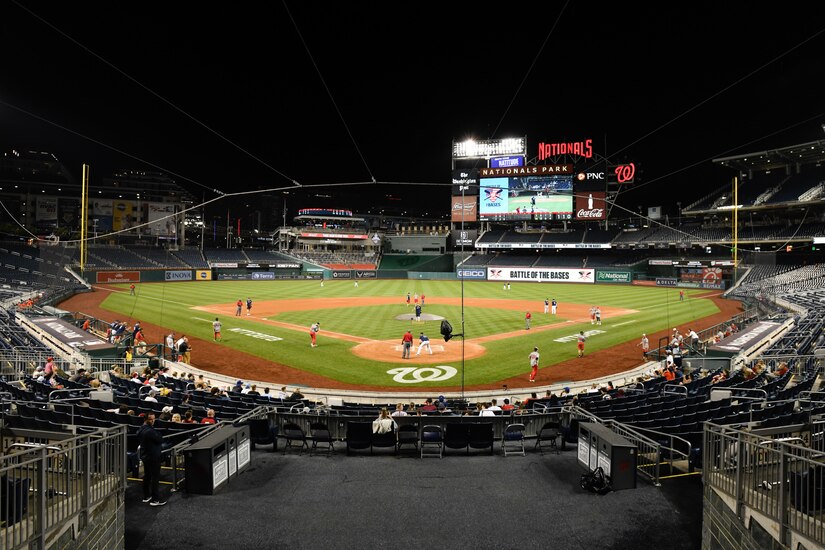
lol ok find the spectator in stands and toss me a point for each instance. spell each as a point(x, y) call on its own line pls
point(80, 376)
point(210, 417)
point(218, 393)
point(399, 410)
point(282, 393)
point(127, 354)
point(507, 406)
point(528, 403)
point(493, 405)
point(429, 406)
point(721, 377)
point(151, 448)
point(780, 370)
point(486, 409)
point(246, 389)
point(384, 424)
point(152, 397)
point(87, 325)
point(49, 369)
point(296, 395)
point(266, 394)
point(238, 387)
point(188, 417)
point(176, 418)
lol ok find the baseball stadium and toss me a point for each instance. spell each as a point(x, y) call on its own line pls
point(530, 359)
point(647, 301)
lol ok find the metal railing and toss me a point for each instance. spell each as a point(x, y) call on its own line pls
point(55, 479)
point(774, 475)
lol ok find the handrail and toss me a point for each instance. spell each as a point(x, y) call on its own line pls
point(666, 391)
point(70, 391)
point(734, 389)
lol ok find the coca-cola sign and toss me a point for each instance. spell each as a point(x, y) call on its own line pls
point(594, 214)
point(590, 205)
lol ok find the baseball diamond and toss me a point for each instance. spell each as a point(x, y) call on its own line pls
point(359, 337)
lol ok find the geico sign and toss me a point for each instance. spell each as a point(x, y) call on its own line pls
point(594, 213)
point(472, 273)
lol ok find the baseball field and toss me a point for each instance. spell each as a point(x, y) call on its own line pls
point(359, 344)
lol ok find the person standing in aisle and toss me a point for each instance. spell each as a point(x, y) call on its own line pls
point(151, 448)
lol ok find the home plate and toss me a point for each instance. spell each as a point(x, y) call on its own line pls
point(435, 347)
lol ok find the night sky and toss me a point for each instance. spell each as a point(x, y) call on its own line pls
point(255, 95)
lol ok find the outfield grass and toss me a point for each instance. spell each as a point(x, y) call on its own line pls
point(170, 305)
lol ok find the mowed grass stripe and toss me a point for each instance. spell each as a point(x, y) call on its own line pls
point(170, 305)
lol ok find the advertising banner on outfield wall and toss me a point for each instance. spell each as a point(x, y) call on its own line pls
point(203, 275)
point(178, 275)
point(479, 273)
point(341, 275)
point(365, 274)
point(540, 275)
point(118, 277)
point(604, 276)
point(262, 276)
point(666, 281)
point(233, 276)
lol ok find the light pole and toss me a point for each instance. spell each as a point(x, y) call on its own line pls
point(461, 238)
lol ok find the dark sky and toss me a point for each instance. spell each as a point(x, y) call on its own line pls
point(253, 95)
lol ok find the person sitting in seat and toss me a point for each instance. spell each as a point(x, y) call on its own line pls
point(384, 424)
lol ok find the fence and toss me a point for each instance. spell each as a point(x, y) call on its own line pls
point(53, 479)
point(779, 477)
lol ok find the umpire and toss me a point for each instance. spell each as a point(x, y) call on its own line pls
point(151, 446)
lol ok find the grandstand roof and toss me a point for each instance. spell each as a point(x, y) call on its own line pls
point(812, 152)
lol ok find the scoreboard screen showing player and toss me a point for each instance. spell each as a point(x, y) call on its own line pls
point(546, 197)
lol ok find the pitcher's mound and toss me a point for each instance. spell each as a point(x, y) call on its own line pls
point(390, 350)
point(424, 317)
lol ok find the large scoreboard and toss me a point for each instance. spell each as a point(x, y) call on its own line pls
point(527, 193)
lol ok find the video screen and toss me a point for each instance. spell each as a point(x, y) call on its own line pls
point(526, 198)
